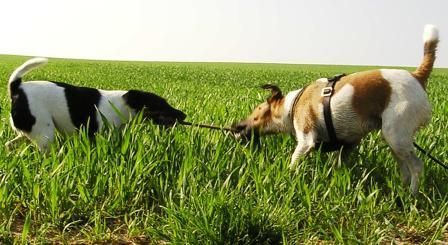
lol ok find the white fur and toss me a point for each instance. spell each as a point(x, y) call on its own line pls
point(408, 107)
point(322, 80)
point(305, 143)
point(408, 97)
point(348, 124)
point(286, 118)
point(46, 98)
point(430, 33)
point(113, 108)
point(289, 99)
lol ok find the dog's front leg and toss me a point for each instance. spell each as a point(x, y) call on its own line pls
point(44, 144)
point(43, 138)
point(305, 142)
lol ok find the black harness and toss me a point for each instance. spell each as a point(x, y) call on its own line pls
point(333, 144)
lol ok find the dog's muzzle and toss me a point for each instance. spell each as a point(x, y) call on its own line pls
point(244, 133)
point(167, 119)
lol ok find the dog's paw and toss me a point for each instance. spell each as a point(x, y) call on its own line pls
point(9, 146)
point(292, 166)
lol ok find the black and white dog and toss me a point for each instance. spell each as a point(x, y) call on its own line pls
point(39, 108)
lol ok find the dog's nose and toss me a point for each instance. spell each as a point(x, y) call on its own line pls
point(181, 116)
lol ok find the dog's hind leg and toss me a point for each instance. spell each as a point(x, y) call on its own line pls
point(407, 111)
point(400, 140)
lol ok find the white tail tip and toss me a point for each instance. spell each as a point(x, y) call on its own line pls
point(37, 60)
point(431, 33)
point(27, 67)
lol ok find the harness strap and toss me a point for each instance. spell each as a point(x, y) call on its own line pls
point(327, 92)
point(294, 103)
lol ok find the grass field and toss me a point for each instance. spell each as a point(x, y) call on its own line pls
point(190, 185)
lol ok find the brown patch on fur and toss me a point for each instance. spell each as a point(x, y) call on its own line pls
point(424, 70)
point(307, 107)
point(277, 107)
point(266, 117)
point(371, 94)
point(275, 111)
point(310, 121)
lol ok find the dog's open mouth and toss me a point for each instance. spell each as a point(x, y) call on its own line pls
point(246, 135)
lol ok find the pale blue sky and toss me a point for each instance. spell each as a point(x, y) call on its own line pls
point(380, 32)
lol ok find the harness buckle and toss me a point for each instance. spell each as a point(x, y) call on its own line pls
point(327, 91)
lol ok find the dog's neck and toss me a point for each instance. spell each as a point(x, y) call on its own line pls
point(286, 120)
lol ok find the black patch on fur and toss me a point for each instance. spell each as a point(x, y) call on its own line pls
point(153, 106)
point(14, 85)
point(20, 110)
point(82, 104)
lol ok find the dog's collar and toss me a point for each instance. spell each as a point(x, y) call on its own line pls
point(292, 100)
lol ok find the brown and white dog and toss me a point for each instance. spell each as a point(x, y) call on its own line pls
point(392, 100)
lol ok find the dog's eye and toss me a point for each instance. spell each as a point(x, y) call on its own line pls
point(256, 119)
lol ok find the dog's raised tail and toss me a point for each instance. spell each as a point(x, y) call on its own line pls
point(16, 77)
point(430, 39)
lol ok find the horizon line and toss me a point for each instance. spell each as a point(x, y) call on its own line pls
point(212, 61)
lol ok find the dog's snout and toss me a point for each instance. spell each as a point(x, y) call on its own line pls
point(239, 127)
point(181, 115)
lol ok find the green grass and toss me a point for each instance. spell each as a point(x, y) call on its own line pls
point(190, 185)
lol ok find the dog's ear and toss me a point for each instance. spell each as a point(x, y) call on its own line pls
point(276, 93)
